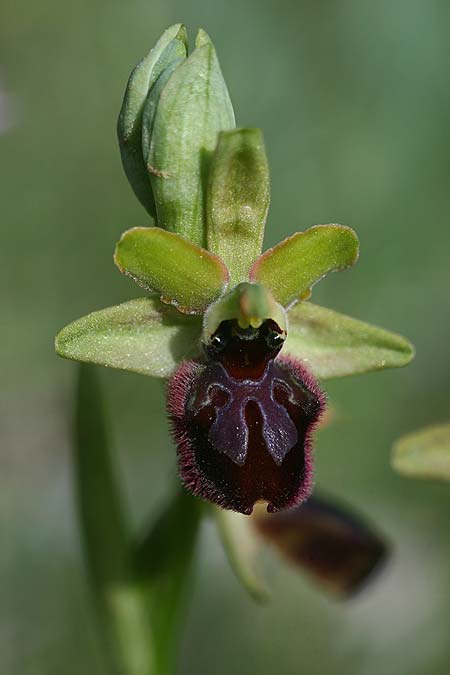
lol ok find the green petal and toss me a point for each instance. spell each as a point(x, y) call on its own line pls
point(240, 541)
point(171, 47)
point(291, 268)
point(424, 453)
point(143, 336)
point(184, 275)
point(193, 107)
point(335, 345)
point(238, 200)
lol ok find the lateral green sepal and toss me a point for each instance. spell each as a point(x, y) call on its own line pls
point(142, 336)
point(335, 345)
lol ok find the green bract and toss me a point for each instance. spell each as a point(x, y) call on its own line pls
point(241, 544)
point(238, 200)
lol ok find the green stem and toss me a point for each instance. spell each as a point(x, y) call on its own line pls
point(106, 541)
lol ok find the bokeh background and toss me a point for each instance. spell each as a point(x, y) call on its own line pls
point(354, 100)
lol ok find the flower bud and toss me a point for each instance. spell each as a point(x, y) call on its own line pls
point(173, 110)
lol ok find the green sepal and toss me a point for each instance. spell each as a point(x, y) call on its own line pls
point(424, 453)
point(249, 305)
point(291, 268)
point(335, 345)
point(171, 48)
point(193, 107)
point(142, 336)
point(238, 200)
point(183, 274)
point(241, 545)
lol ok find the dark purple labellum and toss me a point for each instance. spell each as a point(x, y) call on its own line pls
point(242, 421)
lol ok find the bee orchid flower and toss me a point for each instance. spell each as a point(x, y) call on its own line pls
point(230, 328)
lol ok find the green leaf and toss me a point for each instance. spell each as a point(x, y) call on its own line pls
point(143, 336)
point(164, 561)
point(193, 107)
point(106, 540)
point(241, 544)
point(335, 345)
point(424, 453)
point(238, 200)
point(170, 49)
point(183, 274)
point(291, 268)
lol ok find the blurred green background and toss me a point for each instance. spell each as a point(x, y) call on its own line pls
point(354, 100)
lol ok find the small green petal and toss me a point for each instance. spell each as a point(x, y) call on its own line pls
point(193, 107)
point(184, 275)
point(238, 200)
point(424, 453)
point(240, 542)
point(172, 46)
point(335, 345)
point(291, 268)
point(142, 336)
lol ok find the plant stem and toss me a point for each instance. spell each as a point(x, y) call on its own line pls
point(106, 541)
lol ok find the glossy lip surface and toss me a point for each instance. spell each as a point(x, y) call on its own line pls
point(242, 423)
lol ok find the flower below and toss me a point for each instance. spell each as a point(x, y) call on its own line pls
point(337, 547)
point(242, 419)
